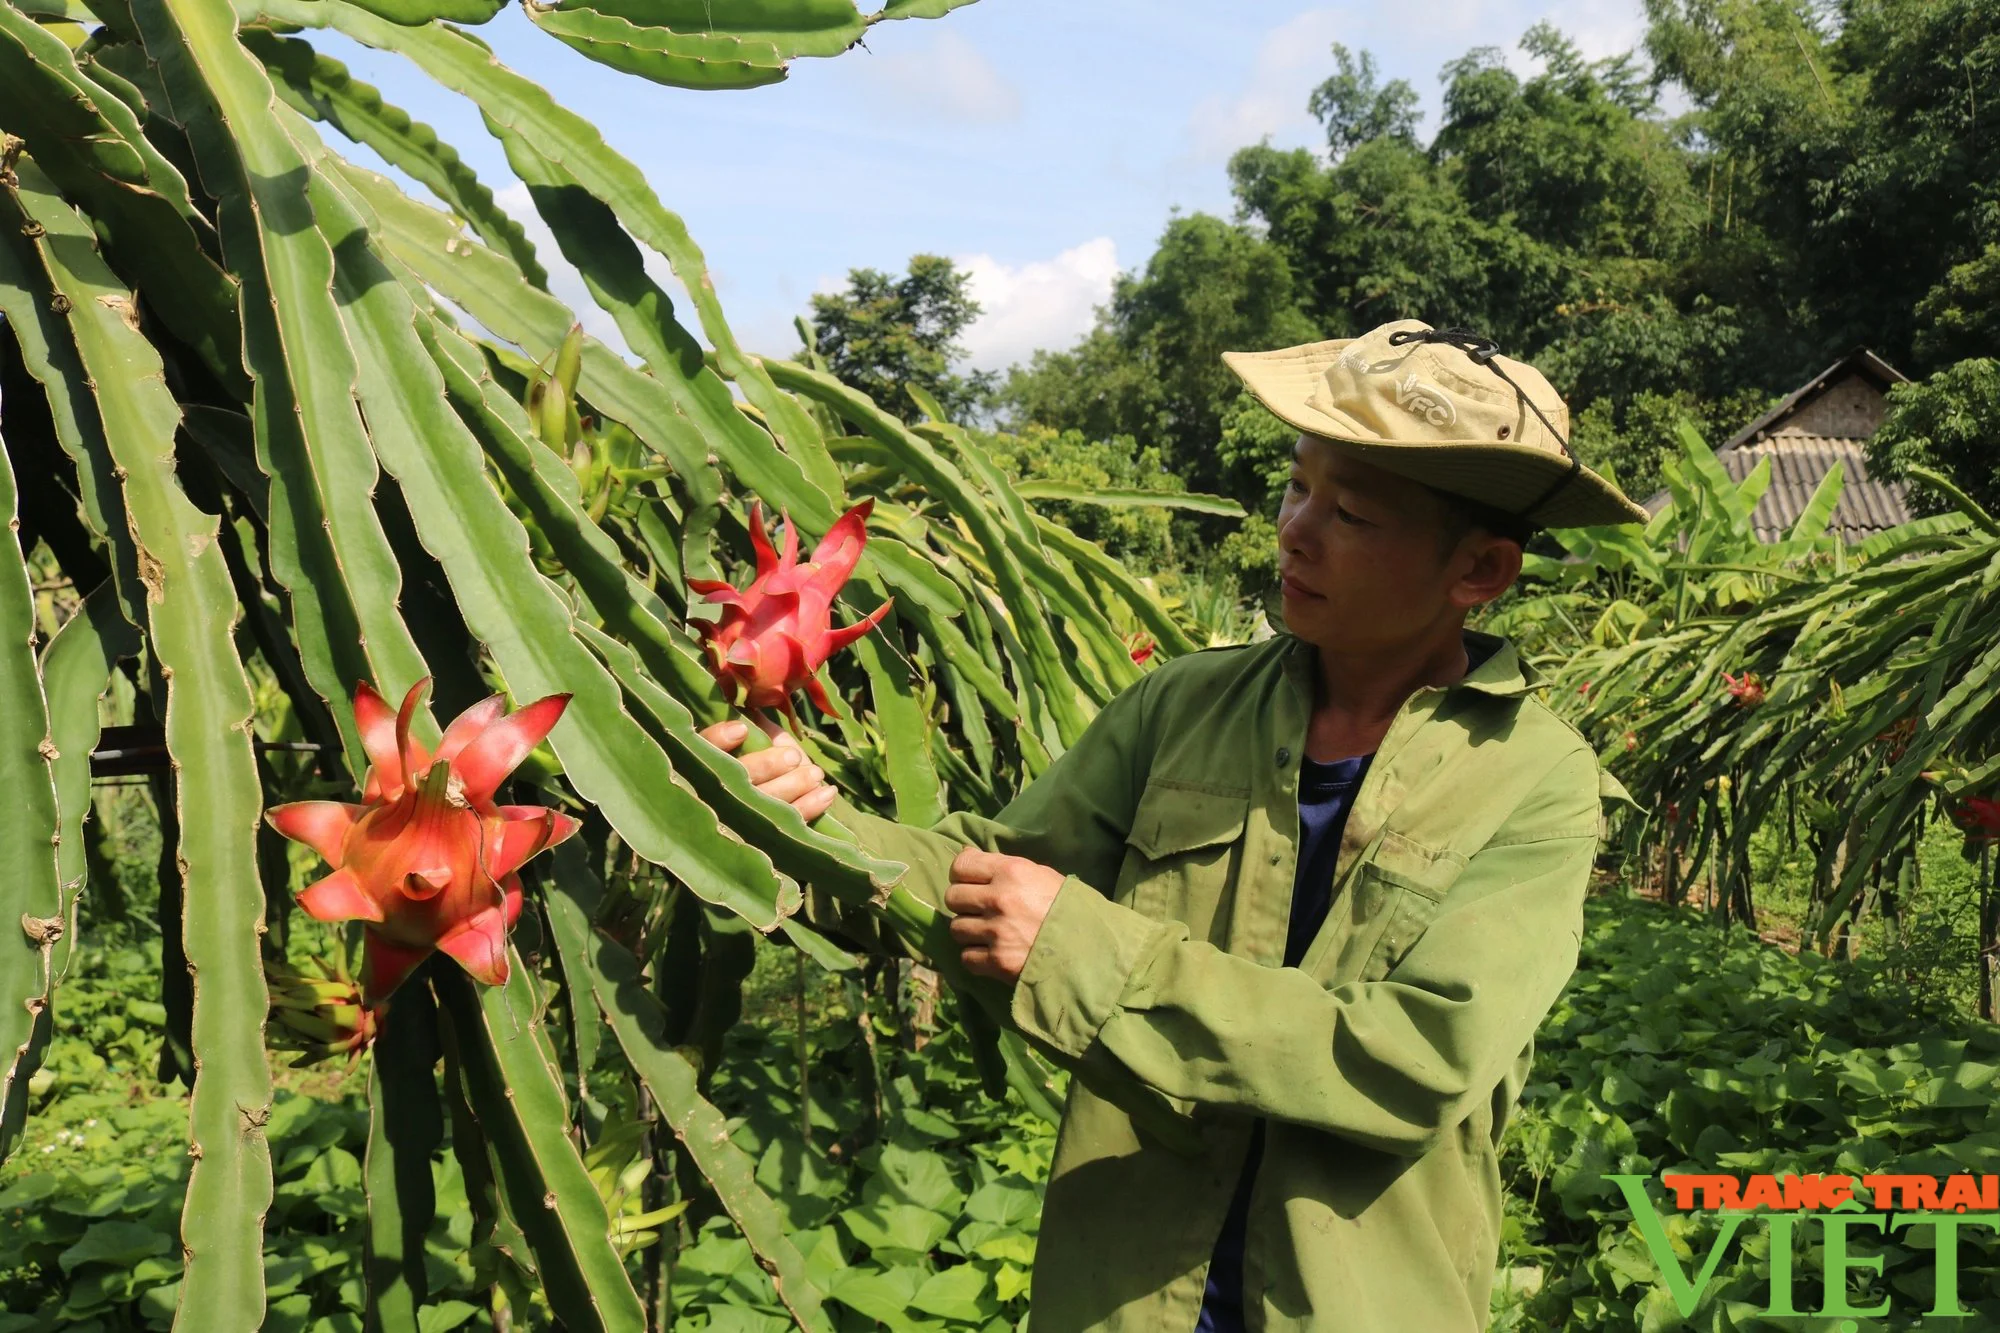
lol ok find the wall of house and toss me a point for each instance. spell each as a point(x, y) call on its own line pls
point(1850, 410)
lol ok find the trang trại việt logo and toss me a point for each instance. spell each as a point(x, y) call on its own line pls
point(1787, 1205)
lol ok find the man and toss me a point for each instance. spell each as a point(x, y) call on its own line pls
point(1319, 890)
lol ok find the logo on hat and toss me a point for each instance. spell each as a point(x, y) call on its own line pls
point(1426, 401)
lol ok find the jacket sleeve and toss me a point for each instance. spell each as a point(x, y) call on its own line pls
point(1073, 817)
point(1391, 1064)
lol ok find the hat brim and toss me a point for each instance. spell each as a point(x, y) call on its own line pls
point(1499, 473)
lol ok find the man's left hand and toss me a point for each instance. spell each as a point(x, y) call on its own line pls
point(999, 904)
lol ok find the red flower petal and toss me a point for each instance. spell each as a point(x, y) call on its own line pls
point(428, 883)
point(817, 693)
point(411, 752)
point(760, 542)
point(497, 751)
point(378, 737)
point(717, 591)
point(339, 897)
point(840, 550)
point(469, 724)
point(320, 825)
point(840, 638)
point(385, 966)
point(511, 844)
point(480, 946)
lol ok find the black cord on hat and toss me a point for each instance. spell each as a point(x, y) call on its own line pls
point(1482, 350)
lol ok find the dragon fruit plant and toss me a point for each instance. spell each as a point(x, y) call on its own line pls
point(327, 427)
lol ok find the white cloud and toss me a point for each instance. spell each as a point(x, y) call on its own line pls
point(1291, 61)
point(1046, 303)
point(944, 76)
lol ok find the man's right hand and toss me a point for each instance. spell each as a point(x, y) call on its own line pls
point(782, 772)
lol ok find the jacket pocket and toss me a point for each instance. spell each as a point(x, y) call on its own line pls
point(1386, 904)
point(1181, 854)
point(1409, 881)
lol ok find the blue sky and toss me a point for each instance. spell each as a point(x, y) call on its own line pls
point(1041, 143)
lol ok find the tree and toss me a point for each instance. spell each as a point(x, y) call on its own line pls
point(1829, 185)
point(1949, 423)
point(1355, 109)
point(883, 333)
point(1153, 367)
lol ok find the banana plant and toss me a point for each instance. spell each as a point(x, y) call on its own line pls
point(308, 433)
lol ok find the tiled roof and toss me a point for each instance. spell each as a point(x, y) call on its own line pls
point(1798, 463)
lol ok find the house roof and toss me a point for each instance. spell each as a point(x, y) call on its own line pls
point(1798, 464)
point(1860, 362)
point(1800, 461)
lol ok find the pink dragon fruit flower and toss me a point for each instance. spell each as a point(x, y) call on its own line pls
point(1747, 690)
point(1979, 816)
point(427, 860)
point(776, 633)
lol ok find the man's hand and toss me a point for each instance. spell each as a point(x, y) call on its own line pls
point(999, 904)
point(782, 771)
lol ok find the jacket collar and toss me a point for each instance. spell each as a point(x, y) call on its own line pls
point(1502, 675)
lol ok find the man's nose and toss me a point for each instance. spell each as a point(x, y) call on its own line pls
point(1295, 535)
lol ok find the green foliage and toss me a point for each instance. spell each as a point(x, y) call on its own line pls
point(1255, 448)
point(1355, 107)
point(1634, 438)
point(882, 334)
point(1949, 423)
point(914, 1200)
point(909, 1180)
point(1678, 1049)
point(1960, 317)
point(1139, 536)
point(90, 1206)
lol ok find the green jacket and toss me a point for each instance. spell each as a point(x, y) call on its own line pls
point(1387, 1064)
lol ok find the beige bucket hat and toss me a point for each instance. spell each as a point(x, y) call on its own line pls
point(1443, 408)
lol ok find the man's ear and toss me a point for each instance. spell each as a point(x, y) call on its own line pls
point(1494, 564)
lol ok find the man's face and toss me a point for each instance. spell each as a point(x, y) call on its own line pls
point(1365, 558)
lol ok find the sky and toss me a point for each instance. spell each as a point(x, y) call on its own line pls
point(1041, 144)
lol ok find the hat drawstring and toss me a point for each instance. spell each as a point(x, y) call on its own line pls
point(1482, 350)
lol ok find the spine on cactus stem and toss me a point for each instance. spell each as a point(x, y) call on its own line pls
point(32, 892)
point(76, 670)
point(191, 609)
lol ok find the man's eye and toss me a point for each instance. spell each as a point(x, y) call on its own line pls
point(1346, 517)
point(1297, 485)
